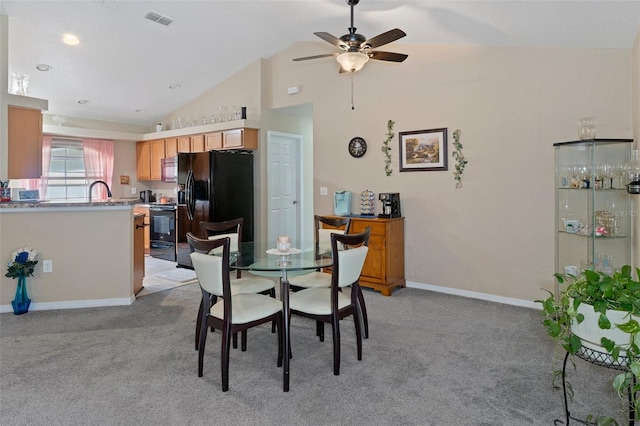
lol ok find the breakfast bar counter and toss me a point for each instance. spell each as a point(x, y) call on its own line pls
point(42, 204)
point(90, 246)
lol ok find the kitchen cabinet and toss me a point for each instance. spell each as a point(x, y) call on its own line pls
point(593, 208)
point(138, 252)
point(147, 234)
point(157, 153)
point(383, 268)
point(184, 144)
point(240, 138)
point(149, 155)
point(24, 143)
point(197, 143)
point(143, 160)
point(213, 141)
point(171, 147)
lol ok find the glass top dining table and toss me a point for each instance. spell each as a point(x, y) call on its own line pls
point(263, 259)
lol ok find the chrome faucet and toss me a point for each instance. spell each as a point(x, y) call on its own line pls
point(102, 182)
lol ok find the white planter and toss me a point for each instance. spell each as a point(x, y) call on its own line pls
point(591, 334)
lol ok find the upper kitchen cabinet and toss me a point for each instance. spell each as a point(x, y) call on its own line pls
point(184, 144)
point(149, 155)
point(171, 147)
point(232, 139)
point(240, 138)
point(197, 143)
point(25, 143)
point(213, 141)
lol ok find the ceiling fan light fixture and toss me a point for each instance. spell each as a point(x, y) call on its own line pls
point(352, 61)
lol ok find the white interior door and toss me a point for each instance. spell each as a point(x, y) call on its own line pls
point(283, 174)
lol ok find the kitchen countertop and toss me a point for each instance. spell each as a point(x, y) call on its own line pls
point(111, 202)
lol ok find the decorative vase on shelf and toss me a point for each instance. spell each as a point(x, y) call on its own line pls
point(587, 128)
point(21, 302)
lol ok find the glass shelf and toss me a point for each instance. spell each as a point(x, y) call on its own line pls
point(594, 207)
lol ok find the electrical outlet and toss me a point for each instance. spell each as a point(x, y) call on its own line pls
point(323, 190)
point(47, 266)
point(134, 191)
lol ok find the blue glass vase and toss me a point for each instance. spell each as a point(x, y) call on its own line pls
point(21, 302)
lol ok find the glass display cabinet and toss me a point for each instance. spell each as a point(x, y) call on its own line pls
point(593, 207)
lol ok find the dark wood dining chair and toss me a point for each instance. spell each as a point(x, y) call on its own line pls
point(330, 305)
point(233, 230)
point(234, 313)
point(339, 225)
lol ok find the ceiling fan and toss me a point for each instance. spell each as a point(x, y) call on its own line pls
point(357, 49)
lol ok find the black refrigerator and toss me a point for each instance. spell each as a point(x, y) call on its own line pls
point(218, 186)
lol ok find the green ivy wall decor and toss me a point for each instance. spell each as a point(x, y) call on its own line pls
point(386, 148)
point(457, 155)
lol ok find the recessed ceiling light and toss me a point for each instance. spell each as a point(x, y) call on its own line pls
point(44, 67)
point(173, 86)
point(82, 101)
point(70, 39)
point(139, 110)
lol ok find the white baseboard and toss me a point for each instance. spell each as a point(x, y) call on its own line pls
point(475, 295)
point(76, 304)
point(72, 304)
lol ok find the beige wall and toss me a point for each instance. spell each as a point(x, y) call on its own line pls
point(496, 234)
point(91, 250)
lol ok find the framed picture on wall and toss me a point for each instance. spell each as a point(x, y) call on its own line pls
point(423, 150)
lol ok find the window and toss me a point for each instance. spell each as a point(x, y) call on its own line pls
point(67, 176)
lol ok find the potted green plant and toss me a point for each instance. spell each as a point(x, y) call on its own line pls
point(601, 312)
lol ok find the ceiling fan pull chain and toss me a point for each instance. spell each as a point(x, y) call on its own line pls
point(352, 107)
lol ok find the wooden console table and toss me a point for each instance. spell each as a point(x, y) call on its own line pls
point(384, 267)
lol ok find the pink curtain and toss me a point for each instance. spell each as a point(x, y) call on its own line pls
point(41, 184)
point(98, 163)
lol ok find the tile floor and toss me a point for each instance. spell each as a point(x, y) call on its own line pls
point(152, 284)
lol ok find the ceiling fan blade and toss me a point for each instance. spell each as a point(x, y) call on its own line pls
point(331, 39)
point(387, 56)
point(305, 58)
point(382, 39)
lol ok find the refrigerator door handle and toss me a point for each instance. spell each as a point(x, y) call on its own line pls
point(189, 195)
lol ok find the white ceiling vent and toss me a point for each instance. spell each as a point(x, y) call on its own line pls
point(156, 17)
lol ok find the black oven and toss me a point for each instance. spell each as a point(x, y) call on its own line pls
point(162, 232)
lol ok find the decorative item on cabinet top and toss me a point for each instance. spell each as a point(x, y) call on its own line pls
point(367, 203)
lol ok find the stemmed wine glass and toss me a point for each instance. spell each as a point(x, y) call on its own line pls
point(620, 170)
point(598, 176)
point(608, 172)
point(586, 173)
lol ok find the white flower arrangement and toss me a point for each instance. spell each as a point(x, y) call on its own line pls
point(23, 263)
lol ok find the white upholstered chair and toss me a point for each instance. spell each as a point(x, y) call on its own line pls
point(330, 305)
point(232, 313)
point(231, 229)
point(322, 279)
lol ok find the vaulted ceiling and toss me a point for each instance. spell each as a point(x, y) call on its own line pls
point(125, 63)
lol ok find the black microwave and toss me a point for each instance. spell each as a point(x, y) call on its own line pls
point(170, 169)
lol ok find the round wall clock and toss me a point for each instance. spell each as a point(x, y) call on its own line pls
point(357, 147)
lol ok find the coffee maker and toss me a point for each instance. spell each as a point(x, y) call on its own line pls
point(390, 205)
